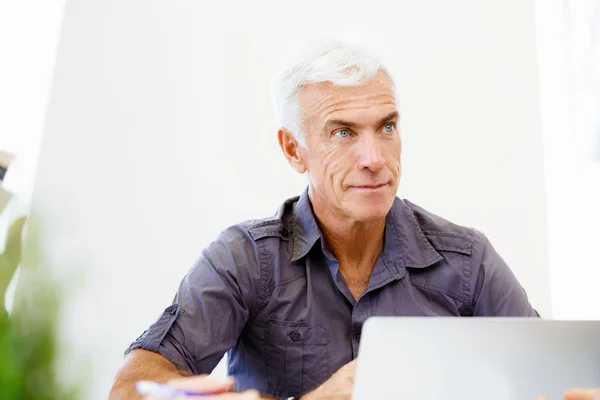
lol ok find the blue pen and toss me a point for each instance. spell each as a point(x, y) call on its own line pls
point(150, 388)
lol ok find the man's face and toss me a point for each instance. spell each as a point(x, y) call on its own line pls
point(353, 152)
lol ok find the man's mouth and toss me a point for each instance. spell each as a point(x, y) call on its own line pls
point(370, 186)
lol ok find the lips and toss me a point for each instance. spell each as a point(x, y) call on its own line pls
point(370, 186)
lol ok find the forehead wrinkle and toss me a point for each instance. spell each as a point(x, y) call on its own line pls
point(340, 107)
point(320, 101)
point(310, 102)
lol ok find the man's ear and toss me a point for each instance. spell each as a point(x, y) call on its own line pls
point(291, 150)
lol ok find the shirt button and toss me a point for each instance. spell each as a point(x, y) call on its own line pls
point(173, 309)
point(295, 336)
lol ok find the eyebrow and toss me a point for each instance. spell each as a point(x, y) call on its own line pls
point(389, 117)
point(339, 122)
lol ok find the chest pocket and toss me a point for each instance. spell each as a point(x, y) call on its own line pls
point(297, 357)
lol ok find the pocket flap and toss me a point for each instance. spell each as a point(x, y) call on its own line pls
point(290, 334)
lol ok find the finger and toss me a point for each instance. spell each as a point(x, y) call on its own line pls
point(582, 394)
point(203, 383)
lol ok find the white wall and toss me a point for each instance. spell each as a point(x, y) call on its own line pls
point(570, 101)
point(160, 134)
point(28, 42)
point(27, 59)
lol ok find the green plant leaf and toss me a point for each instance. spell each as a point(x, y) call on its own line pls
point(28, 336)
point(11, 257)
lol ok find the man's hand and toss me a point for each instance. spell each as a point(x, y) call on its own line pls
point(338, 387)
point(218, 387)
point(582, 394)
point(578, 394)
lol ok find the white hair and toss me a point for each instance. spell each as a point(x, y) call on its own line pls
point(331, 60)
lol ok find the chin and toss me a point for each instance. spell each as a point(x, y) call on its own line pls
point(367, 205)
point(371, 212)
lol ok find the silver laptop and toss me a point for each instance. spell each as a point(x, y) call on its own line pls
point(412, 358)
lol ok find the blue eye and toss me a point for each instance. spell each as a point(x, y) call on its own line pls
point(388, 128)
point(343, 133)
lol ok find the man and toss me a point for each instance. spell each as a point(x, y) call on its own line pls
point(287, 295)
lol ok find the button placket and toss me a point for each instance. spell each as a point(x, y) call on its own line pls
point(357, 322)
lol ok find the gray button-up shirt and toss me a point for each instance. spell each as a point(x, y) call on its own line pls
point(271, 294)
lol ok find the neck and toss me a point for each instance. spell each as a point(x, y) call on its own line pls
point(351, 242)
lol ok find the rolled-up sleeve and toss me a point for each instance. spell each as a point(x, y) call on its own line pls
point(211, 307)
point(497, 292)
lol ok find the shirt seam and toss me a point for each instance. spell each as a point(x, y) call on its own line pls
point(471, 300)
point(263, 265)
point(439, 290)
point(466, 308)
point(455, 296)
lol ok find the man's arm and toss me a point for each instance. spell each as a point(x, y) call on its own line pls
point(146, 365)
point(497, 292)
point(209, 312)
point(339, 386)
point(142, 365)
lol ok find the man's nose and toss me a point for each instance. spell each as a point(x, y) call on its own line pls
point(371, 152)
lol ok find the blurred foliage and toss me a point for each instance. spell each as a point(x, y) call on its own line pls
point(28, 334)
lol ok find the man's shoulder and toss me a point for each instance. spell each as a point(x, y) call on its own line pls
point(433, 225)
point(273, 226)
point(258, 229)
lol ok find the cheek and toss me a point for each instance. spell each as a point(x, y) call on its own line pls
point(394, 154)
point(335, 165)
point(328, 170)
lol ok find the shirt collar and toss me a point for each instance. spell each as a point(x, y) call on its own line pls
point(305, 231)
point(405, 244)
